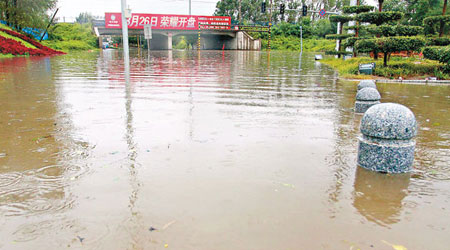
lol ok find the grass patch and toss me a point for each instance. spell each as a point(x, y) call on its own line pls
point(26, 44)
point(6, 56)
point(71, 37)
point(407, 68)
point(292, 43)
point(6, 27)
point(68, 46)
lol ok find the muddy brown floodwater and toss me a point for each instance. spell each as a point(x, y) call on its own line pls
point(210, 150)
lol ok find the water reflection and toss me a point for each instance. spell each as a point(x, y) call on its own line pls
point(252, 145)
point(379, 197)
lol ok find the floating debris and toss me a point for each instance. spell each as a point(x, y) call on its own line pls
point(80, 238)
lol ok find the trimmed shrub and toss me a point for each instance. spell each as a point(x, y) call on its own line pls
point(441, 54)
point(438, 41)
point(431, 20)
point(338, 36)
point(379, 18)
point(333, 52)
point(357, 9)
point(390, 44)
point(340, 19)
point(394, 30)
point(350, 42)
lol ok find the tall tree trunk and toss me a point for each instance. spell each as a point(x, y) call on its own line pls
point(380, 5)
point(441, 29)
point(385, 59)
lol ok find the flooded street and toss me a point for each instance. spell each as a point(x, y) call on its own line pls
point(236, 150)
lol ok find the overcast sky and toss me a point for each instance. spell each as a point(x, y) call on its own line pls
point(71, 8)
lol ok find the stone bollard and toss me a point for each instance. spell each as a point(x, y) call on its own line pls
point(366, 98)
point(367, 84)
point(387, 143)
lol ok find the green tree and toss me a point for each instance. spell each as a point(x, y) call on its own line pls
point(26, 13)
point(84, 17)
point(414, 10)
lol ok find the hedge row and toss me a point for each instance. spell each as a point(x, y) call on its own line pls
point(438, 41)
point(340, 19)
point(350, 42)
point(430, 21)
point(357, 9)
point(390, 44)
point(339, 36)
point(441, 54)
point(394, 30)
point(379, 18)
point(342, 52)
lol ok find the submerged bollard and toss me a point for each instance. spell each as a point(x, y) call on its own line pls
point(366, 84)
point(366, 98)
point(387, 143)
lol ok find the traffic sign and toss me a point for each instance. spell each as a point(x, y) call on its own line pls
point(322, 12)
point(148, 31)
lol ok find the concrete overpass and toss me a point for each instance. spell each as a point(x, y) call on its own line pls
point(210, 39)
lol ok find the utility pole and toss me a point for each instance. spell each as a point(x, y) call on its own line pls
point(51, 21)
point(190, 8)
point(126, 52)
point(270, 24)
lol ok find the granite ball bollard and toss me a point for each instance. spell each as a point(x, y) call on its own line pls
point(366, 98)
point(387, 143)
point(367, 84)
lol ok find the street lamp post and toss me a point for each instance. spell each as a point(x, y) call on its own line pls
point(126, 53)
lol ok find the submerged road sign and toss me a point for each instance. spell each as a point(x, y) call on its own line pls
point(148, 31)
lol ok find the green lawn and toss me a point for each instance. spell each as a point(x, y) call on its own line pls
point(405, 67)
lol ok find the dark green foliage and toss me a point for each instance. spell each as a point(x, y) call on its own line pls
point(394, 30)
point(26, 13)
point(322, 27)
point(333, 52)
point(438, 41)
point(390, 44)
point(352, 27)
point(350, 42)
point(357, 9)
point(379, 18)
point(430, 21)
point(341, 19)
point(365, 45)
point(414, 10)
point(339, 36)
point(441, 54)
point(289, 29)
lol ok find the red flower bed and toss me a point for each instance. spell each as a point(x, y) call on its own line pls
point(10, 46)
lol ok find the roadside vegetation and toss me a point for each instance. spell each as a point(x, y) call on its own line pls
point(72, 36)
point(406, 68)
point(411, 37)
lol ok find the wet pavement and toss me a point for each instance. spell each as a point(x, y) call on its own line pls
point(209, 150)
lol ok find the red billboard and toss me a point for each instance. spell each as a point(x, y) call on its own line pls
point(168, 22)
